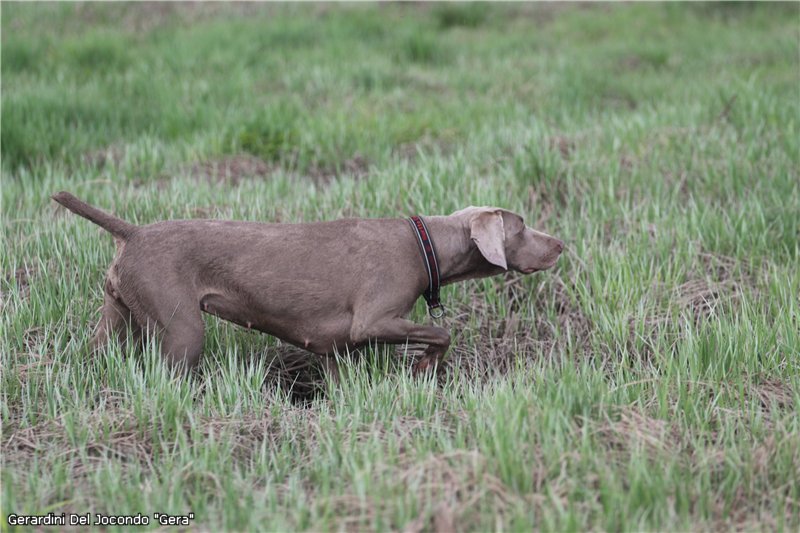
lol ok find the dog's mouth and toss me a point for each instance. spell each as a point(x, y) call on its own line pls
point(550, 264)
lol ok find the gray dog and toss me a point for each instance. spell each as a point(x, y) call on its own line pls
point(321, 286)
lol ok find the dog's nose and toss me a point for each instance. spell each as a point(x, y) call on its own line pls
point(559, 244)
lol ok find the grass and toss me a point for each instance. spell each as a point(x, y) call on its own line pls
point(650, 381)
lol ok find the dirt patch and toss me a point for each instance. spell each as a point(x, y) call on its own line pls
point(143, 17)
point(116, 434)
point(702, 297)
point(497, 344)
point(628, 429)
point(231, 170)
point(716, 283)
point(356, 167)
point(456, 482)
point(773, 392)
point(298, 374)
point(571, 318)
point(742, 513)
point(110, 156)
point(123, 438)
point(541, 203)
point(546, 12)
point(413, 151)
point(549, 188)
point(490, 344)
point(630, 62)
point(564, 145)
point(20, 279)
point(37, 363)
point(713, 285)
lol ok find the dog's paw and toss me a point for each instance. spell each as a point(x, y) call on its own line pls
point(424, 366)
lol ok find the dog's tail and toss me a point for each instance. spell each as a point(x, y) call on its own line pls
point(116, 226)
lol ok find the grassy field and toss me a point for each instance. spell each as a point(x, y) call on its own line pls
point(650, 381)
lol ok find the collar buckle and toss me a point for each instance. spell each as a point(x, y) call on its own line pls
point(436, 310)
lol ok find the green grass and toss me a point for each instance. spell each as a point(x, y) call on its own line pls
point(650, 381)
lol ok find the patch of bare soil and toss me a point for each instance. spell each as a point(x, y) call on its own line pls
point(298, 373)
point(231, 169)
point(454, 481)
point(543, 202)
point(33, 338)
point(116, 434)
point(571, 317)
point(412, 151)
point(626, 161)
point(552, 192)
point(499, 343)
point(356, 166)
point(143, 17)
point(629, 429)
point(630, 62)
point(110, 156)
point(773, 392)
point(745, 512)
point(619, 100)
point(564, 145)
point(546, 12)
point(21, 278)
point(120, 436)
point(714, 284)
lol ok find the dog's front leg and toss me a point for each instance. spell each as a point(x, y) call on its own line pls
point(399, 330)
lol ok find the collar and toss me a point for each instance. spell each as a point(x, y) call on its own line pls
point(428, 251)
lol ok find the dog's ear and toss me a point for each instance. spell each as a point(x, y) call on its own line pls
point(488, 232)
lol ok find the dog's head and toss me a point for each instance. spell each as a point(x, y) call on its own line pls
point(505, 241)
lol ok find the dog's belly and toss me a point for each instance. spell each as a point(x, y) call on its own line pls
point(318, 334)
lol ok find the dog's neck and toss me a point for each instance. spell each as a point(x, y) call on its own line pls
point(458, 256)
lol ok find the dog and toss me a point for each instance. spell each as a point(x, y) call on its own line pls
point(322, 286)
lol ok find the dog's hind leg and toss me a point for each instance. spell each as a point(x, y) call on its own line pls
point(116, 321)
point(182, 339)
point(168, 309)
point(179, 329)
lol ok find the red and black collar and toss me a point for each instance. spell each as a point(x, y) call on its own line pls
point(428, 250)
